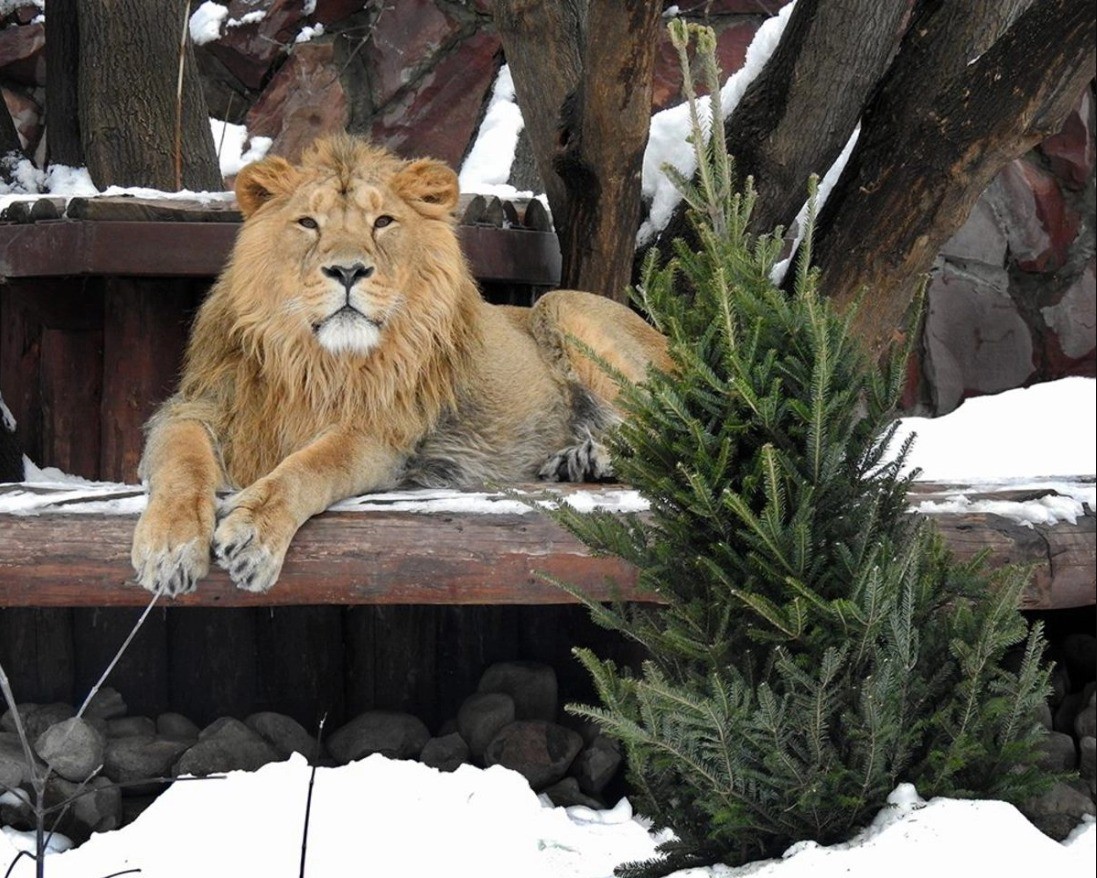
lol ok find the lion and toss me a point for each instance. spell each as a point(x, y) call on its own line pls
point(346, 349)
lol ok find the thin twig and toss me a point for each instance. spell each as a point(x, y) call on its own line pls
point(179, 98)
point(308, 798)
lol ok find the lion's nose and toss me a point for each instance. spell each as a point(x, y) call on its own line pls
point(348, 275)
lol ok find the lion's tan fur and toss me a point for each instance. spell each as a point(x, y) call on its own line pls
point(299, 405)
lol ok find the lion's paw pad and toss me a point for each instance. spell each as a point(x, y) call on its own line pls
point(240, 551)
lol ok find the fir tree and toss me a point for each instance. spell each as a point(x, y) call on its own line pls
point(817, 644)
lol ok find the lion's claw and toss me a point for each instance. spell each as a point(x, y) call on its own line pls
point(173, 571)
point(240, 551)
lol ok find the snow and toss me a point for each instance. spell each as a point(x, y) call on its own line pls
point(235, 148)
point(403, 818)
point(669, 129)
point(486, 169)
point(309, 32)
point(990, 444)
point(206, 21)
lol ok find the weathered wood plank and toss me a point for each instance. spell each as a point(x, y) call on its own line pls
point(144, 335)
point(385, 556)
point(337, 558)
point(153, 248)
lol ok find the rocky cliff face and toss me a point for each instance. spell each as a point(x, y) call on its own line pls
point(1012, 301)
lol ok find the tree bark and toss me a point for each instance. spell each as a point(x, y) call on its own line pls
point(600, 148)
point(543, 44)
point(62, 58)
point(797, 115)
point(583, 77)
point(134, 130)
point(955, 106)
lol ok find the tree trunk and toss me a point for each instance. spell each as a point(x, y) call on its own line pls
point(62, 58)
point(600, 149)
point(955, 106)
point(543, 46)
point(797, 115)
point(134, 129)
point(583, 77)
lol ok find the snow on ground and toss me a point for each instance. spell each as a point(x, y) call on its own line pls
point(384, 817)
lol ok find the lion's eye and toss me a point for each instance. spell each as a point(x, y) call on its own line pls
point(307, 222)
point(382, 221)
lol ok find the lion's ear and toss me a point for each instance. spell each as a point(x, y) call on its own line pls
point(261, 181)
point(429, 186)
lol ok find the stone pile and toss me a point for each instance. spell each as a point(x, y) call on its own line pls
point(1071, 745)
point(512, 720)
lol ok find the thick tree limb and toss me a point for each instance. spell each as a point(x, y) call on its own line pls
point(944, 120)
point(583, 77)
point(600, 146)
point(543, 44)
point(796, 117)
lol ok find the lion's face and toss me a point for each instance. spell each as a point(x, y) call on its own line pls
point(344, 236)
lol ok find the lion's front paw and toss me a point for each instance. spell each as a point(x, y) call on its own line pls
point(171, 546)
point(250, 546)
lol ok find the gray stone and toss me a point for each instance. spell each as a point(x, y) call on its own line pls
point(1044, 715)
point(597, 764)
point(226, 745)
point(1073, 320)
point(228, 728)
point(175, 725)
point(284, 734)
point(976, 339)
point(133, 759)
point(17, 813)
point(1067, 712)
point(14, 770)
point(1085, 723)
point(532, 685)
point(1058, 753)
point(480, 718)
point(1087, 763)
point(106, 703)
point(446, 753)
point(37, 717)
point(565, 793)
point(979, 239)
point(540, 751)
point(128, 726)
point(395, 734)
point(1058, 811)
point(73, 748)
point(98, 808)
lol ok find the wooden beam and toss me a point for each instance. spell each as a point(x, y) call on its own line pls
point(382, 555)
point(336, 558)
point(161, 240)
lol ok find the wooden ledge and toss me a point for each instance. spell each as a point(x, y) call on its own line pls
point(172, 238)
point(379, 552)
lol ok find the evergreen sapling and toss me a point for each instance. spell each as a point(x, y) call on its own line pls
point(817, 644)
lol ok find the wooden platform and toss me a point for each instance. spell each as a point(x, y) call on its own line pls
point(449, 548)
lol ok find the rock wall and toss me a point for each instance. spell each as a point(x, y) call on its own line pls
point(1012, 301)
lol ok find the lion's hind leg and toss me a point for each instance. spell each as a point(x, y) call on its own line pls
point(568, 324)
point(594, 342)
